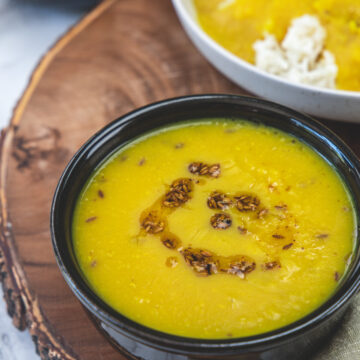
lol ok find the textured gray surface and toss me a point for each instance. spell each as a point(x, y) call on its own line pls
point(14, 345)
point(27, 29)
point(345, 343)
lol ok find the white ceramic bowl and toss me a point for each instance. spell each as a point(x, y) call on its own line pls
point(330, 104)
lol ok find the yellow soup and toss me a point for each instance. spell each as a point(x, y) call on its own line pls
point(237, 24)
point(214, 229)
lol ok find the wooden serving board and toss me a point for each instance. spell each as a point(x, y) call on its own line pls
point(124, 54)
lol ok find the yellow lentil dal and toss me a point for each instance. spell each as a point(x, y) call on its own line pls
point(298, 233)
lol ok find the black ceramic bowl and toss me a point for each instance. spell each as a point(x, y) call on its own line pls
point(140, 342)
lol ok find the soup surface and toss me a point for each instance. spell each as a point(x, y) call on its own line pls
point(237, 24)
point(214, 229)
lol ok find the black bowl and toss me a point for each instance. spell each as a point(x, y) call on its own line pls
point(140, 342)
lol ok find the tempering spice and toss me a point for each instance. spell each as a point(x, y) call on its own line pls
point(272, 187)
point(171, 242)
point(218, 200)
point(201, 261)
point(240, 266)
point(179, 193)
point(281, 207)
point(204, 262)
point(261, 214)
point(175, 198)
point(142, 162)
point(247, 202)
point(322, 236)
point(199, 168)
point(278, 236)
point(171, 262)
point(271, 265)
point(288, 246)
point(242, 230)
point(221, 221)
point(152, 223)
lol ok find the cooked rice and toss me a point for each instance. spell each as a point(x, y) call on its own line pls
point(301, 56)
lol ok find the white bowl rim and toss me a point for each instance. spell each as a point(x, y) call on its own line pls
point(179, 6)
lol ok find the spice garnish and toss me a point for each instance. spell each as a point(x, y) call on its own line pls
point(247, 202)
point(271, 265)
point(322, 236)
point(199, 168)
point(278, 236)
point(171, 242)
point(152, 223)
point(179, 193)
point(336, 276)
point(142, 162)
point(218, 200)
point(90, 219)
point(171, 262)
point(221, 221)
point(93, 263)
point(288, 246)
point(261, 214)
point(182, 184)
point(272, 187)
point(101, 194)
point(200, 260)
point(179, 145)
point(239, 265)
point(175, 198)
point(281, 207)
point(242, 230)
point(206, 263)
point(214, 170)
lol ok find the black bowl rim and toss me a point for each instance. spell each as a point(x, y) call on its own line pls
point(181, 344)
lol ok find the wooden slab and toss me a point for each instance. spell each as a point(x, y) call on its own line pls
point(122, 55)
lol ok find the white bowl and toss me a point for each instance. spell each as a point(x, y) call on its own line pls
point(330, 104)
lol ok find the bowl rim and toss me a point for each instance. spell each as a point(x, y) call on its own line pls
point(196, 28)
point(181, 344)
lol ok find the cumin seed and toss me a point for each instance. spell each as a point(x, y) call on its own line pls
point(288, 246)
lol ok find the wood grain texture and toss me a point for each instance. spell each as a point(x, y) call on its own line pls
point(124, 54)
